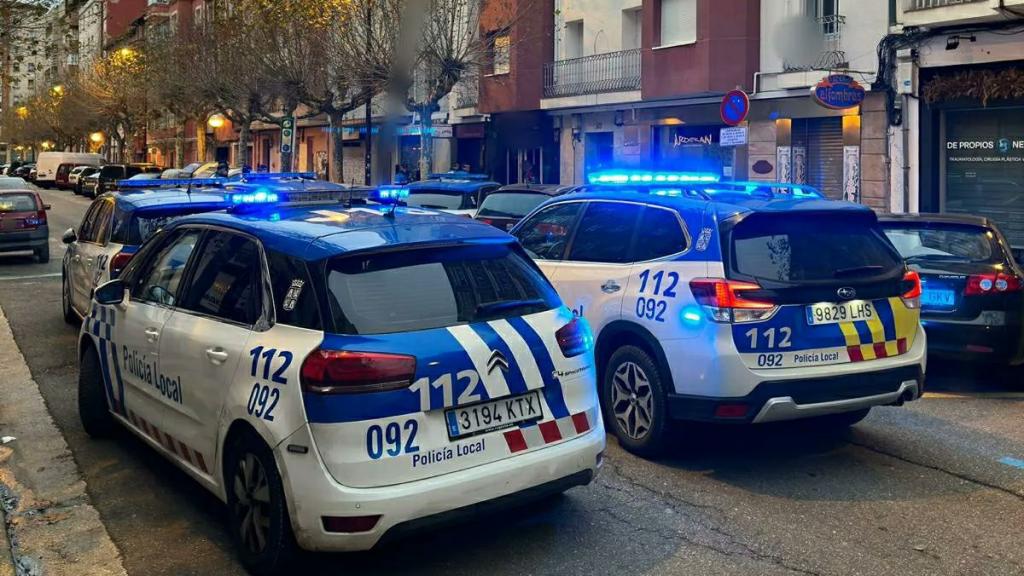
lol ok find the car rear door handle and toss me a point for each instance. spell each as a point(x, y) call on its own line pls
point(76, 258)
point(216, 355)
point(152, 334)
point(610, 287)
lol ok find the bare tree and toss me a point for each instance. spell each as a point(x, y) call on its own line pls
point(119, 84)
point(18, 19)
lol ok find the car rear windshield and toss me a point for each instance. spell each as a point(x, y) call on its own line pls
point(112, 172)
point(944, 242)
point(137, 227)
point(792, 248)
point(510, 204)
point(434, 198)
point(18, 203)
point(425, 288)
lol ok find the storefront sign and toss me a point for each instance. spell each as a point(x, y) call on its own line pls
point(735, 136)
point(679, 136)
point(475, 130)
point(443, 131)
point(838, 92)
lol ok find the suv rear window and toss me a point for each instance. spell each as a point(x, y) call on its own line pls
point(440, 199)
point(135, 228)
point(510, 204)
point(811, 248)
point(420, 289)
point(943, 242)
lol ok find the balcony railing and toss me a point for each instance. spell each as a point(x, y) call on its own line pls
point(609, 72)
point(926, 4)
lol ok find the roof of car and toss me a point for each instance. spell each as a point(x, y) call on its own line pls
point(946, 218)
point(725, 204)
point(549, 189)
point(454, 184)
point(143, 199)
point(314, 232)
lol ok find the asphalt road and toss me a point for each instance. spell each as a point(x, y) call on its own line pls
point(928, 488)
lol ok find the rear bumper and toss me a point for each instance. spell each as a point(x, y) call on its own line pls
point(28, 240)
point(773, 401)
point(998, 344)
point(312, 493)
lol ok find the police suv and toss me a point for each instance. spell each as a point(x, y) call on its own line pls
point(339, 373)
point(116, 224)
point(730, 302)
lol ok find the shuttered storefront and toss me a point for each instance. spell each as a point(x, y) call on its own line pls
point(984, 166)
point(822, 138)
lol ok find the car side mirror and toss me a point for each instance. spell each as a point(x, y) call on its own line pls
point(69, 236)
point(110, 293)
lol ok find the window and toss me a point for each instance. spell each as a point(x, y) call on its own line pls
point(546, 235)
point(794, 248)
point(605, 233)
point(294, 298)
point(573, 39)
point(433, 288)
point(678, 22)
point(95, 222)
point(227, 279)
point(502, 55)
point(631, 27)
point(158, 282)
point(944, 243)
point(660, 235)
point(197, 15)
point(827, 12)
point(511, 204)
point(18, 203)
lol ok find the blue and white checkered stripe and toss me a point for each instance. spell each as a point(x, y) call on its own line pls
point(100, 323)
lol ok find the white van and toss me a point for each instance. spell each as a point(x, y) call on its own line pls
point(48, 162)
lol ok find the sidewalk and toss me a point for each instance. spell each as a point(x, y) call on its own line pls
point(49, 527)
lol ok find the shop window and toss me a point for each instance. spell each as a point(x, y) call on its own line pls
point(678, 22)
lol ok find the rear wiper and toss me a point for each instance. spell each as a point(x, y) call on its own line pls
point(493, 307)
point(857, 270)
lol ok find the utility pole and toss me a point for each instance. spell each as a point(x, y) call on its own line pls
point(369, 96)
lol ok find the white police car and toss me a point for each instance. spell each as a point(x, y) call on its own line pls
point(116, 224)
point(338, 374)
point(730, 302)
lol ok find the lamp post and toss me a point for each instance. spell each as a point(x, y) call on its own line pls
point(97, 139)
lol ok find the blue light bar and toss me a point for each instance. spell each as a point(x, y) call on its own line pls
point(392, 194)
point(646, 177)
point(178, 182)
point(278, 176)
point(257, 197)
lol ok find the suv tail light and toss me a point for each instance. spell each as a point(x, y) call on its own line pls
point(574, 338)
point(344, 372)
point(38, 220)
point(979, 284)
point(486, 221)
point(723, 300)
point(118, 262)
point(911, 287)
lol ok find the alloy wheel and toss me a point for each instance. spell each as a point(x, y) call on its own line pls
point(632, 400)
point(252, 503)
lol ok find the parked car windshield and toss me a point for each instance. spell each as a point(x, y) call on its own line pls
point(510, 204)
point(436, 198)
point(940, 241)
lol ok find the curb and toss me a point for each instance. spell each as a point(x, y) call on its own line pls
point(47, 515)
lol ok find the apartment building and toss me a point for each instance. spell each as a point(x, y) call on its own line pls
point(957, 73)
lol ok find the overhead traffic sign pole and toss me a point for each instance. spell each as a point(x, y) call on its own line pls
point(735, 107)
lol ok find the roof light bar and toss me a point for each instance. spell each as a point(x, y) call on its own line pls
point(392, 194)
point(175, 182)
point(645, 177)
point(256, 197)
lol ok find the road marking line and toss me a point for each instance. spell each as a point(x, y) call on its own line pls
point(943, 395)
point(975, 395)
point(1015, 462)
point(33, 277)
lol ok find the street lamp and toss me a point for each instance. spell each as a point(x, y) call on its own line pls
point(57, 90)
point(216, 121)
point(22, 112)
point(46, 145)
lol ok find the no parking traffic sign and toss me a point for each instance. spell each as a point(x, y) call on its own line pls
point(735, 106)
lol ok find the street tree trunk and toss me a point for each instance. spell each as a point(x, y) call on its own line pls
point(426, 141)
point(244, 131)
point(200, 141)
point(337, 147)
point(179, 145)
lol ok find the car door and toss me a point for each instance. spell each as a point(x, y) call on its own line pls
point(152, 294)
point(594, 275)
point(205, 339)
point(545, 235)
point(85, 251)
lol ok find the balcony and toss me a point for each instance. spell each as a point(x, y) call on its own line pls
point(926, 4)
point(597, 74)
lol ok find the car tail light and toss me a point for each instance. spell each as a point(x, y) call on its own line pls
point(723, 300)
point(911, 287)
point(118, 262)
point(345, 372)
point(38, 220)
point(574, 338)
point(979, 284)
point(486, 221)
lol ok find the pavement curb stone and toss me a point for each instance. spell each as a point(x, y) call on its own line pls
point(49, 526)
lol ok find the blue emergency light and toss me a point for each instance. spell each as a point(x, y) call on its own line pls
point(646, 177)
point(259, 196)
point(392, 194)
point(171, 182)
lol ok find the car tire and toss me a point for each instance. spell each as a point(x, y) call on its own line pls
point(255, 496)
point(633, 394)
point(43, 254)
point(93, 409)
point(65, 302)
point(843, 419)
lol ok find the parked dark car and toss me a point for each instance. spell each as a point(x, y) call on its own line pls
point(80, 179)
point(62, 178)
point(23, 225)
point(972, 304)
point(23, 171)
point(507, 205)
point(8, 169)
point(106, 179)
